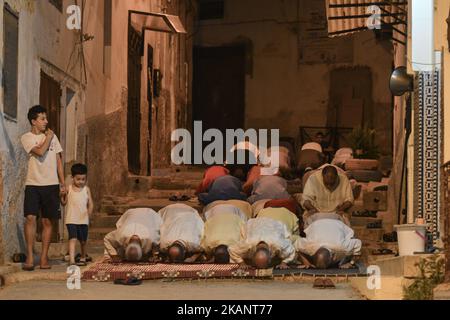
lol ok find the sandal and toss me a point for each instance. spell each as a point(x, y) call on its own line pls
point(81, 263)
point(382, 252)
point(173, 198)
point(184, 198)
point(46, 267)
point(128, 282)
point(328, 284)
point(364, 214)
point(27, 267)
point(375, 225)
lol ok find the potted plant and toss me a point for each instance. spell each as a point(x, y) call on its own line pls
point(365, 150)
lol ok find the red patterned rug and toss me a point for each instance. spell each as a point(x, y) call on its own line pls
point(111, 272)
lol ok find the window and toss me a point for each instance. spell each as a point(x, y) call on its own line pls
point(211, 9)
point(10, 65)
point(58, 4)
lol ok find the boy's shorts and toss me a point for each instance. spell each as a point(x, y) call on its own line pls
point(78, 231)
point(43, 200)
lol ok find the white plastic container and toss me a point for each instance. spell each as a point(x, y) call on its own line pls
point(411, 238)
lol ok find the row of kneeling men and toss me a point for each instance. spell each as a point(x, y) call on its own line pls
point(226, 232)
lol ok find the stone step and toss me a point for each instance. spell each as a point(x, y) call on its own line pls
point(155, 204)
point(99, 233)
point(169, 183)
point(362, 233)
point(104, 221)
point(401, 266)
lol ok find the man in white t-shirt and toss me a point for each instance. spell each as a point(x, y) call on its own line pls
point(45, 181)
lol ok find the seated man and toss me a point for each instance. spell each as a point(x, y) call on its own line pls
point(243, 206)
point(137, 236)
point(253, 175)
point(224, 226)
point(283, 215)
point(328, 243)
point(181, 232)
point(269, 187)
point(225, 188)
point(211, 174)
point(327, 191)
point(265, 239)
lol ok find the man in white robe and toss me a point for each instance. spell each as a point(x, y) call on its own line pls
point(136, 236)
point(264, 240)
point(329, 242)
point(181, 233)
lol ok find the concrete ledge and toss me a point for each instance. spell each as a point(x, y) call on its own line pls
point(442, 292)
point(401, 266)
point(391, 288)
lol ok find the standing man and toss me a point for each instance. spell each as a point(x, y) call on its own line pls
point(45, 181)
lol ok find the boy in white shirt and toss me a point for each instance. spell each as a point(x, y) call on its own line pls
point(45, 181)
point(79, 207)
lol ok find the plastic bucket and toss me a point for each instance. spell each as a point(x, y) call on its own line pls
point(411, 238)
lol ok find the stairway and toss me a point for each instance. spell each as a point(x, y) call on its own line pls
point(146, 192)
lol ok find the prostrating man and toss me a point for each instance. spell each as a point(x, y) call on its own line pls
point(181, 233)
point(210, 175)
point(327, 191)
point(269, 187)
point(137, 236)
point(243, 206)
point(265, 239)
point(328, 243)
point(224, 226)
point(227, 187)
point(285, 216)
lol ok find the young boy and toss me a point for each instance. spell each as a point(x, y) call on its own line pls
point(79, 207)
point(45, 180)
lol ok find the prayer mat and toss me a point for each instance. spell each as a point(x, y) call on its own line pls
point(111, 272)
point(322, 272)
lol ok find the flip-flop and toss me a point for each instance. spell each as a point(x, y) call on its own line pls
point(375, 225)
point(27, 267)
point(318, 283)
point(47, 267)
point(173, 198)
point(128, 282)
point(184, 198)
point(381, 252)
point(81, 263)
point(328, 284)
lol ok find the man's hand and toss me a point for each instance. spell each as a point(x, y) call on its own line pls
point(282, 266)
point(313, 211)
point(62, 189)
point(154, 259)
point(49, 133)
point(243, 265)
point(116, 259)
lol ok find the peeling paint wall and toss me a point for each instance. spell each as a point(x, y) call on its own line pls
point(280, 91)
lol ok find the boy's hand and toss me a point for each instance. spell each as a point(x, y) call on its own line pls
point(49, 133)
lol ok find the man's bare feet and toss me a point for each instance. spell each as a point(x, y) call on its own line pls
point(282, 266)
point(347, 265)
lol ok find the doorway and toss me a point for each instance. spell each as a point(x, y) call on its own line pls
point(135, 53)
point(219, 87)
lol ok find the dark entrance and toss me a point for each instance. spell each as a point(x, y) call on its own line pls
point(50, 97)
point(150, 102)
point(219, 87)
point(135, 53)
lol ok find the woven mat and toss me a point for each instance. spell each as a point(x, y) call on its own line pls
point(111, 272)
